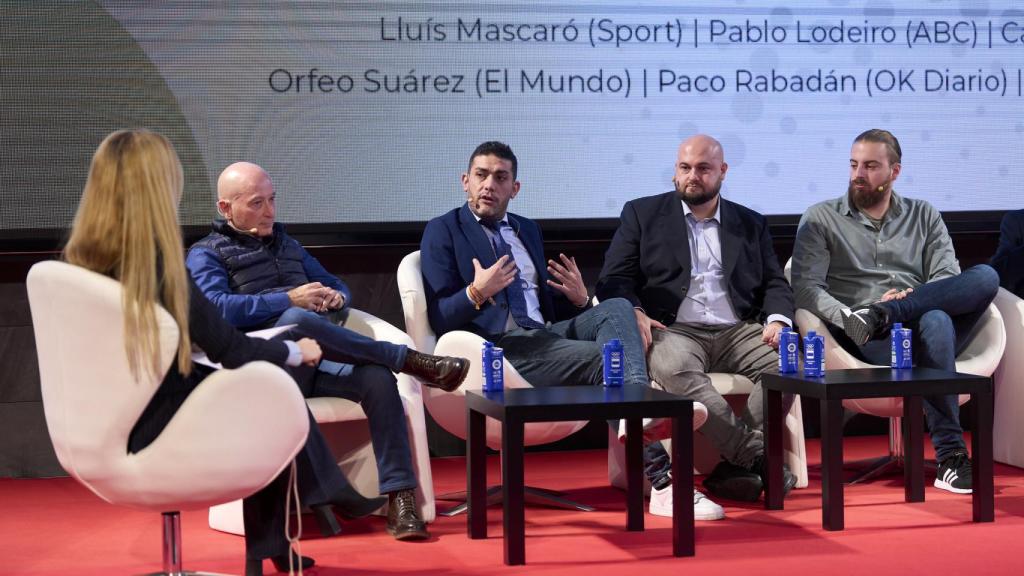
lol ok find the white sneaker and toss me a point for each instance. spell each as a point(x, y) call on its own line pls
point(661, 428)
point(703, 508)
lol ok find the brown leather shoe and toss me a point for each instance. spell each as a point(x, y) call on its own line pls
point(444, 372)
point(404, 522)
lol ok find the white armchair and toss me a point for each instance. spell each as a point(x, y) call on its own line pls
point(1008, 433)
point(449, 408)
point(980, 357)
point(344, 426)
point(236, 432)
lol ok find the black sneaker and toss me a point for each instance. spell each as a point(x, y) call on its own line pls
point(864, 323)
point(954, 473)
point(760, 467)
point(733, 482)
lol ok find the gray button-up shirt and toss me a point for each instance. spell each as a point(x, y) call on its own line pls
point(840, 260)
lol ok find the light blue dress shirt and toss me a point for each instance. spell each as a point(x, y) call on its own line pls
point(707, 300)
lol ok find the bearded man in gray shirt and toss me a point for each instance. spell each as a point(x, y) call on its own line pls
point(871, 258)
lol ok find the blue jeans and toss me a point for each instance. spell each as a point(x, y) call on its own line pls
point(942, 315)
point(359, 369)
point(569, 353)
point(339, 344)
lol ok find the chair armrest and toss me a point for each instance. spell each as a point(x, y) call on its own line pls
point(986, 344)
point(469, 345)
point(369, 325)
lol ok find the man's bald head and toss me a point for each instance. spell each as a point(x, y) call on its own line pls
point(237, 178)
point(700, 169)
point(703, 145)
point(245, 198)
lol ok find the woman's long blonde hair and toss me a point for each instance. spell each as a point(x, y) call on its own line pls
point(126, 226)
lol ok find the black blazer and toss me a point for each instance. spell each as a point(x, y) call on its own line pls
point(1009, 258)
point(648, 262)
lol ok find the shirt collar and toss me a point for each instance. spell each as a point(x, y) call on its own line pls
point(895, 205)
point(504, 220)
point(717, 216)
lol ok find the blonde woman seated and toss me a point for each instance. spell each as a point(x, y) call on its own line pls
point(127, 228)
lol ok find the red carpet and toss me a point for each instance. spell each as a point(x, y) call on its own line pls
point(56, 526)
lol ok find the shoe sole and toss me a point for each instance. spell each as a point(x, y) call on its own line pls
point(738, 491)
point(856, 328)
point(950, 488)
point(667, 513)
point(411, 535)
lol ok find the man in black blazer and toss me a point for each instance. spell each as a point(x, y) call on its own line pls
point(1009, 258)
point(709, 296)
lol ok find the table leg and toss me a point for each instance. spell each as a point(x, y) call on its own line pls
point(634, 475)
point(983, 491)
point(831, 465)
point(512, 490)
point(682, 483)
point(913, 450)
point(476, 474)
point(773, 493)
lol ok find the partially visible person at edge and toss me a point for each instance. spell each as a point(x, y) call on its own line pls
point(1009, 258)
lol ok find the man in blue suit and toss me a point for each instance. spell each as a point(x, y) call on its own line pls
point(484, 271)
point(710, 296)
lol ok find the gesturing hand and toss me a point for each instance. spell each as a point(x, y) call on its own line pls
point(570, 281)
point(490, 281)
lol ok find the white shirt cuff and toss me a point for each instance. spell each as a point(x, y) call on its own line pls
point(294, 353)
point(779, 318)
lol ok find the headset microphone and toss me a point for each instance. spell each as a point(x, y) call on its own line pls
point(255, 231)
point(882, 188)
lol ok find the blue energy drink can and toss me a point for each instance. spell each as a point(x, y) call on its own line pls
point(902, 354)
point(493, 360)
point(789, 351)
point(614, 367)
point(814, 355)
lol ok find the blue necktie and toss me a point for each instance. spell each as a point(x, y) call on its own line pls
point(516, 297)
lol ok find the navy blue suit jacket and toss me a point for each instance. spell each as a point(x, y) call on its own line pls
point(1009, 258)
point(449, 244)
point(648, 262)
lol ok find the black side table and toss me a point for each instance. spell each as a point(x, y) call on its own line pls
point(912, 384)
point(516, 406)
